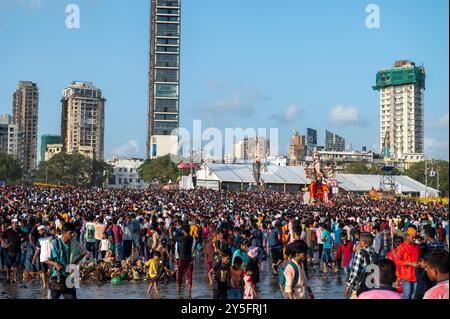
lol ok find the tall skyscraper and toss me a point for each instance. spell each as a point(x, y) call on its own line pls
point(334, 143)
point(297, 149)
point(164, 77)
point(9, 134)
point(48, 140)
point(25, 116)
point(83, 120)
point(311, 140)
point(401, 110)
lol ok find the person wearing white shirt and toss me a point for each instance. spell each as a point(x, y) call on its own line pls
point(319, 231)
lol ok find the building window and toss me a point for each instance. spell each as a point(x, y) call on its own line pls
point(120, 181)
point(164, 128)
point(166, 75)
point(167, 41)
point(166, 105)
point(167, 60)
point(166, 90)
point(170, 117)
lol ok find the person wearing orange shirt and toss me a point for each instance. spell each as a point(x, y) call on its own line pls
point(407, 261)
point(285, 233)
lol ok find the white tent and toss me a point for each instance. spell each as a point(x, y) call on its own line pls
point(239, 176)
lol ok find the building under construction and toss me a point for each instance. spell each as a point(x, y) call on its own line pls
point(401, 111)
point(164, 77)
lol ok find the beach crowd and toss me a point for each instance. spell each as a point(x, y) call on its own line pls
point(161, 235)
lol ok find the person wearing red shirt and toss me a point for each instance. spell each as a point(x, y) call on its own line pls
point(407, 260)
point(440, 232)
point(392, 256)
point(345, 250)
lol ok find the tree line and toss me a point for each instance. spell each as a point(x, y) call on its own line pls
point(80, 171)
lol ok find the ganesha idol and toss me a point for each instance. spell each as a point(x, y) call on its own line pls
point(319, 189)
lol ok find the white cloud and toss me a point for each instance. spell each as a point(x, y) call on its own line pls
point(434, 144)
point(344, 115)
point(436, 148)
point(290, 115)
point(241, 102)
point(442, 123)
point(128, 149)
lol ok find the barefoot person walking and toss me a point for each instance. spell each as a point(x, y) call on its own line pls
point(13, 237)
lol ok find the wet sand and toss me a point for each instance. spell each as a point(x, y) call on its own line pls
point(324, 286)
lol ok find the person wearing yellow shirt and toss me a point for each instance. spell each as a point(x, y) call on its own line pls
point(194, 231)
point(260, 219)
point(285, 234)
point(153, 267)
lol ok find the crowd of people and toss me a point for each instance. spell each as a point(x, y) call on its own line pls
point(170, 231)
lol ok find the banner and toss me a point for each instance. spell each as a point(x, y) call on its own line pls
point(333, 182)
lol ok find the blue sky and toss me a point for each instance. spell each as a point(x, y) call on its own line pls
point(255, 63)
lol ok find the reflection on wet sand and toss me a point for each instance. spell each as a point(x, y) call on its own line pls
point(324, 286)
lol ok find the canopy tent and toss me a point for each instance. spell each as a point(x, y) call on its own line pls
point(295, 175)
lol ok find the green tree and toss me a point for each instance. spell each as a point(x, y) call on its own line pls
point(417, 172)
point(10, 168)
point(358, 167)
point(375, 170)
point(100, 173)
point(72, 169)
point(161, 169)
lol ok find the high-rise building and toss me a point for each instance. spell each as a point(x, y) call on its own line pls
point(401, 110)
point(9, 135)
point(311, 140)
point(164, 77)
point(25, 116)
point(297, 149)
point(83, 120)
point(246, 149)
point(334, 143)
point(48, 140)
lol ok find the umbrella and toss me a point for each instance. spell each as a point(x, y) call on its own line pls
point(184, 165)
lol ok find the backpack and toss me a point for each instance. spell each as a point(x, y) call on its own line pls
point(282, 278)
point(363, 277)
point(90, 233)
point(273, 239)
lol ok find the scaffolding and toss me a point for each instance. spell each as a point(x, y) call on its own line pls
point(387, 179)
point(400, 76)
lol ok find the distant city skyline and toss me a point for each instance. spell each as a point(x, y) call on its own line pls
point(241, 68)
